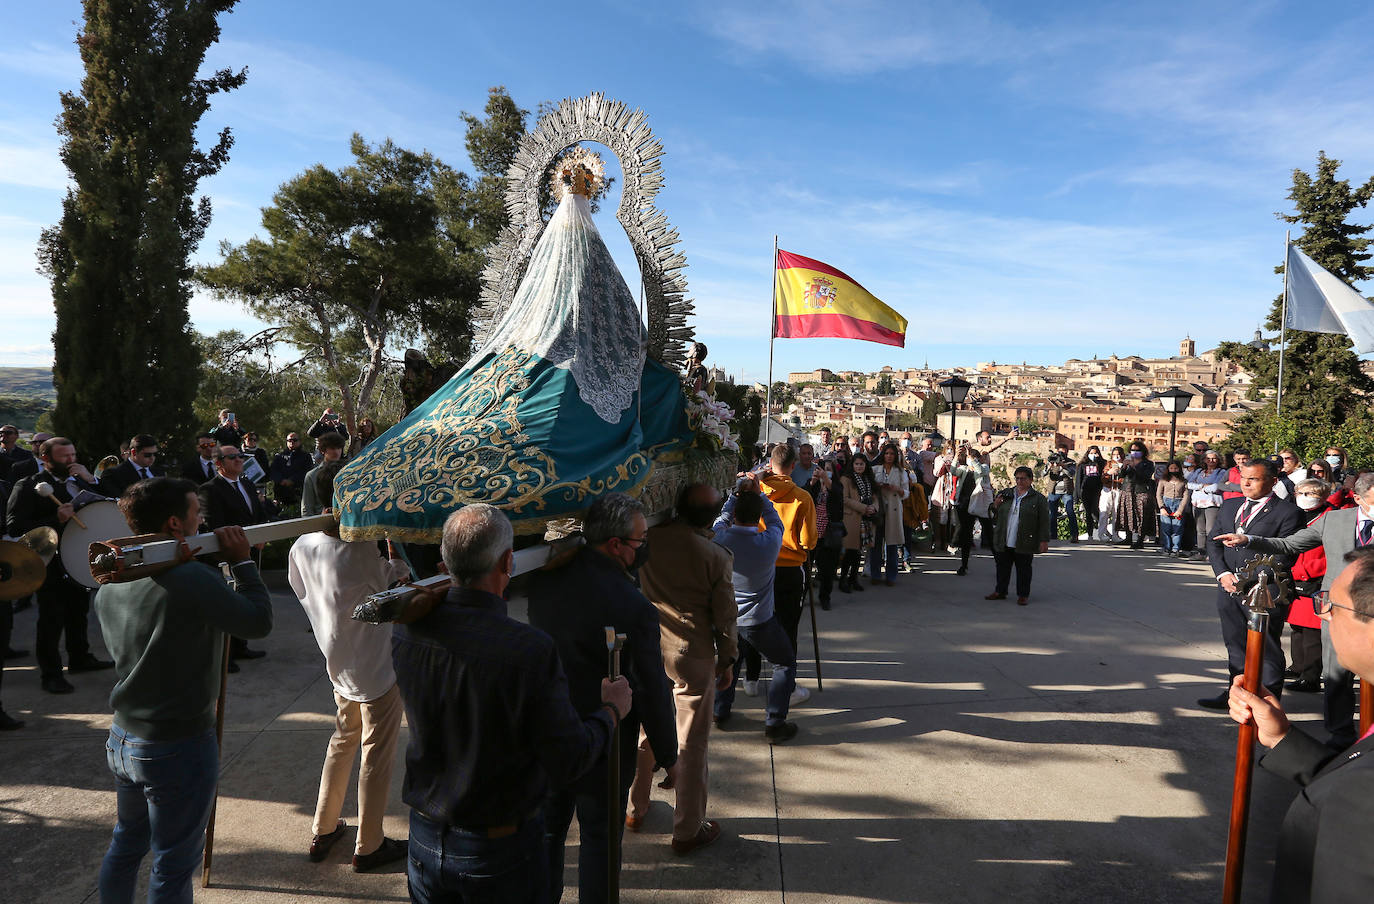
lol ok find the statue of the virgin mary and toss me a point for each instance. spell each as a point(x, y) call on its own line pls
point(558, 405)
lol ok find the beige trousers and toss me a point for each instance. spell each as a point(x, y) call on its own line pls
point(694, 693)
point(374, 726)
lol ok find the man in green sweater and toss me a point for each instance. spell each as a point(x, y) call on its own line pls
point(166, 633)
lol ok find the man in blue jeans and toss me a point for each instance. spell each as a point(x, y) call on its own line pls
point(1061, 472)
point(166, 633)
point(756, 556)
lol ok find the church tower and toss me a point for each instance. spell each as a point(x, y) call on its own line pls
point(1187, 348)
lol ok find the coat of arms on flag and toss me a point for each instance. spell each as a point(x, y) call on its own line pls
point(820, 294)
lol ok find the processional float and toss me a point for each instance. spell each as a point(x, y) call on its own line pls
point(573, 391)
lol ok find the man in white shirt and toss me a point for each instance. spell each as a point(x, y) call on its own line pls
point(331, 577)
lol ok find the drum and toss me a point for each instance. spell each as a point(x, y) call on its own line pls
point(103, 521)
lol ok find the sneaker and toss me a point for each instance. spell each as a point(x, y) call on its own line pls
point(780, 733)
point(389, 851)
point(799, 695)
point(709, 832)
point(751, 688)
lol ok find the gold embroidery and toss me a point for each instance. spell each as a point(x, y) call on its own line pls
point(472, 447)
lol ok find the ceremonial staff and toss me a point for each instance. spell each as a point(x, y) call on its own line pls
point(1253, 582)
point(815, 632)
point(616, 811)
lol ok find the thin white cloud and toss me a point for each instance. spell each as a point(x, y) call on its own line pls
point(32, 166)
point(865, 37)
point(50, 62)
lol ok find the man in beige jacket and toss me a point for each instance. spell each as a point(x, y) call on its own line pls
point(689, 581)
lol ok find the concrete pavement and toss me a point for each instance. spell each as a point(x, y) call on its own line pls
point(961, 750)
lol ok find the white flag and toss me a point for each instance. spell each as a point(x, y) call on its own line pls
point(1320, 302)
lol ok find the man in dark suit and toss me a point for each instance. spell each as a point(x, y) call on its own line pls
point(232, 500)
point(201, 468)
point(1323, 853)
point(572, 604)
point(1337, 532)
point(63, 604)
point(11, 453)
point(1257, 510)
point(140, 465)
point(27, 466)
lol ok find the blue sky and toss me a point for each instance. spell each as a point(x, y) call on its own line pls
point(1021, 180)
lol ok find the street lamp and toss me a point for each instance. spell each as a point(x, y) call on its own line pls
point(1174, 400)
point(954, 390)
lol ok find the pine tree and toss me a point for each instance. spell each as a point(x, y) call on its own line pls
point(124, 355)
point(1323, 386)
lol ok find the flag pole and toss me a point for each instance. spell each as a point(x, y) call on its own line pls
point(1283, 327)
point(772, 333)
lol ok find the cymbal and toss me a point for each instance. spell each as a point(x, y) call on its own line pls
point(42, 540)
point(21, 570)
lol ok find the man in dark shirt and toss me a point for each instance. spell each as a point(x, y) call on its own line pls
point(574, 604)
point(491, 726)
point(289, 468)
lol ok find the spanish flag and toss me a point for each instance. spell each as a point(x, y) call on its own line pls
point(814, 300)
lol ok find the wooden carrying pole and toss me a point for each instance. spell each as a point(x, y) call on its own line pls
point(815, 632)
point(219, 742)
point(1256, 624)
point(1366, 706)
point(616, 810)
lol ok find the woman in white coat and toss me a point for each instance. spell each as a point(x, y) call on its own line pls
point(893, 486)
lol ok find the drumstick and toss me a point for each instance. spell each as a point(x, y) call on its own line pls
point(46, 491)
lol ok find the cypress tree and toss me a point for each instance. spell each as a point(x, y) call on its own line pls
point(124, 355)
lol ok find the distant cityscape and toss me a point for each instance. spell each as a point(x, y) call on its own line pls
point(1105, 401)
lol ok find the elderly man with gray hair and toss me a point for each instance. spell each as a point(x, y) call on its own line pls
point(491, 727)
point(575, 603)
point(1338, 533)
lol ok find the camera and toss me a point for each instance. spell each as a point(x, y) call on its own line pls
point(1059, 458)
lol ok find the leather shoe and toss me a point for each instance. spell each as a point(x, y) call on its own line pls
point(634, 823)
point(245, 653)
point(232, 668)
point(320, 844)
point(389, 851)
point(8, 722)
point(89, 663)
point(995, 596)
point(780, 733)
point(56, 684)
point(709, 832)
point(1221, 701)
point(12, 653)
point(1023, 600)
point(1305, 686)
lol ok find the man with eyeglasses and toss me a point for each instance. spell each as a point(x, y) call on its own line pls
point(1323, 850)
point(140, 465)
point(1337, 532)
point(289, 467)
point(231, 500)
point(201, 469)
point(572, 604)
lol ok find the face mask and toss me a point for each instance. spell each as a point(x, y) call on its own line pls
point(1116, 458)
point(1308, 503)
point(1177, 474)
point(1333, 460)
point(906, 444)
point(1137, 455)
point(641, 556)
point(1092, 456)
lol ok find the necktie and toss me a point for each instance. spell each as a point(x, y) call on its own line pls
point(144, 472)
point(1366, 532)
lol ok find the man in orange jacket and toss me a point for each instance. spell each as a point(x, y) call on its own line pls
point(798, 513)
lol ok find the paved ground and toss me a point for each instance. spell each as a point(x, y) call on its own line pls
point(961, 750)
